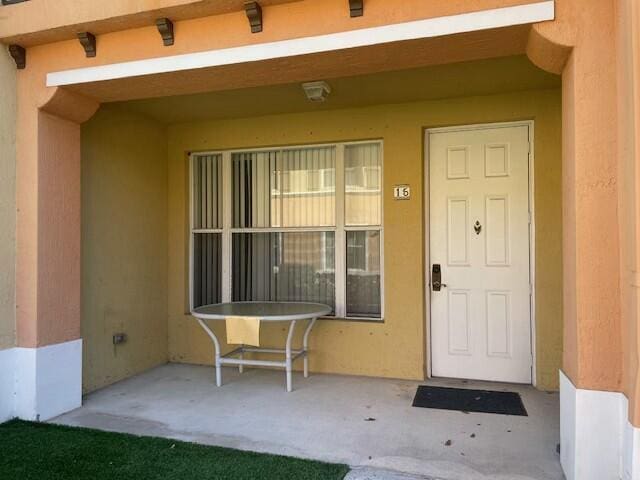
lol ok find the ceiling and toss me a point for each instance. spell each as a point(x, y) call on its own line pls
point(481, 77)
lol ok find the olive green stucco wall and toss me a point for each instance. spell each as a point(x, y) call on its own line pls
point(124, 245)
point(7, 199)
point(135, 233)
point(395, 348)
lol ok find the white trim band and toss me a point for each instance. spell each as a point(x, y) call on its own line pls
point(597, 440)
point(7, 384)
point(428, 28)
point(630, 448)
point(40, 383)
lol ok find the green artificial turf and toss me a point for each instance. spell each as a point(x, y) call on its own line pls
point(43, 451)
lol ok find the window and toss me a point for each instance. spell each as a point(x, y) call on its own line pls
point(289, 224)
point(206, 225)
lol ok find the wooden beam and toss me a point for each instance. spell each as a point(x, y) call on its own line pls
point(88, 42)
point(254, 14)
point(19, 55)
point(165, 27)
point(356, 8)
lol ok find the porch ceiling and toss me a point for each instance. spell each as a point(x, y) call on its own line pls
point(481, 77)
point(384, 57)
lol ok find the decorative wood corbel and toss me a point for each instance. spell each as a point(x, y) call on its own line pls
point(88, 42)
point(356, 8)
point(254, 14)
point(165, 27)
point(19, 55)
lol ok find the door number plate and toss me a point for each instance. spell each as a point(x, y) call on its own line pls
point(401, 192)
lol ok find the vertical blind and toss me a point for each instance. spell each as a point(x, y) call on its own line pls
point(288, 189)
point(283, 227)
point(284, 189)
point(206, 219)
point(363, 207)
point(251, 192)
point(284, 266)
point(207, 192)
point(304, 199)
point(363, 273)
point(363, 171)
point(207, 269)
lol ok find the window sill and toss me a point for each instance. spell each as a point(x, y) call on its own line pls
point(355, 319)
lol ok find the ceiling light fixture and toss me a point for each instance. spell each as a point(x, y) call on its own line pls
point(316, 91)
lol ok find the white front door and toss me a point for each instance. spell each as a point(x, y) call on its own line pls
point(479, 237)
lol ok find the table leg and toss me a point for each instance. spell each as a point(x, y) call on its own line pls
point(305, 346)
point(216, 347)
point(292, 326)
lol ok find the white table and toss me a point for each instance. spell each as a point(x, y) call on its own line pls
point(291, 312)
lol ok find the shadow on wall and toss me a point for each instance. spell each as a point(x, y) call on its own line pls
point(124, 245)
point(7, 199)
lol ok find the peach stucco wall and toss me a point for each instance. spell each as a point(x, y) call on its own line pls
point(596, 46)
point(48, 215)
point(58, 224)
point(40, 21)
point(592, 324)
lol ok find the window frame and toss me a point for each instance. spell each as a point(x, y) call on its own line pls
point(340, 229)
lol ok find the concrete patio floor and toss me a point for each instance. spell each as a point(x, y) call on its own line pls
point(368, 423)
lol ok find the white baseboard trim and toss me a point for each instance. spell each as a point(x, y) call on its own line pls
point(43, 382)
point(7, 384)
point(630, 447)
point(597, 441)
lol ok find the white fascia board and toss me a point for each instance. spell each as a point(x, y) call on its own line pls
point(428, 28)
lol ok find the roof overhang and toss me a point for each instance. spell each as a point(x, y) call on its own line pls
point(462, 37)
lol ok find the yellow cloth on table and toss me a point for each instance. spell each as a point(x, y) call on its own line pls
point(243, 330)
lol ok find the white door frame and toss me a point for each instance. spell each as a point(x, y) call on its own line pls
point(427, 225)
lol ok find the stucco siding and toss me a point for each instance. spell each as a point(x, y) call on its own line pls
point(124, 245)
point(396, 347)
point(7, 200)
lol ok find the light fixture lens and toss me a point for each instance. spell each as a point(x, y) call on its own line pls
point(316, 91)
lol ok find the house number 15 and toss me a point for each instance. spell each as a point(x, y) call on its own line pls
point(401, 192)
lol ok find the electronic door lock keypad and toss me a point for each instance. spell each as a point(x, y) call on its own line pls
point(436, 278)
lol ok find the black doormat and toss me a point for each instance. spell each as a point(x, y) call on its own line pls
point(464, 400)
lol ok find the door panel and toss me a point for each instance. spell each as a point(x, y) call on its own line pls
point(498, 322)
point(458, 219)
point(458, 319)
point(497, 230)
point(479, 235)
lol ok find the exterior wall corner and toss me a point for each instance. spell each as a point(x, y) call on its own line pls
point(596, 438)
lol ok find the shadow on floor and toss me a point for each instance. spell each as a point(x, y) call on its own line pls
point(368, 423)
